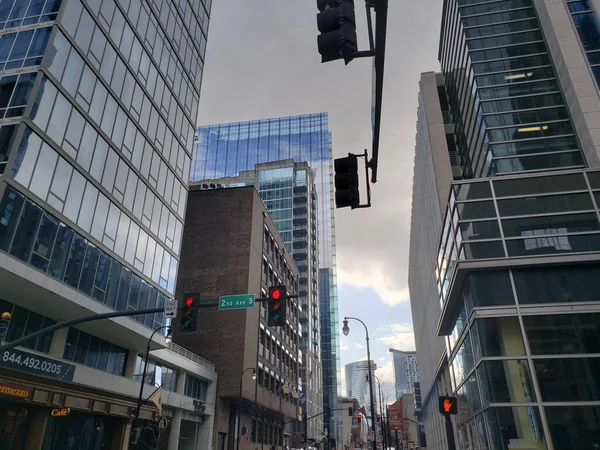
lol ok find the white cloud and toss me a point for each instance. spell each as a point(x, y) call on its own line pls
point(373, 276)
point(343, 347)
point(399, 336)
point(381, 358)
point(385, 372)
point(357, 345)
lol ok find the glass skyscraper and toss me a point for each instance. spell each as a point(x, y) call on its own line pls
point(506, 208)
point(224, 150)
point(98, 101)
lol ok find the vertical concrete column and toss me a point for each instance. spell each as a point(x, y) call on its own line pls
point(174, 430)
point(59, 340)
point(131, 362)
point(121, 439)
point(180, 382)
point(35, 437)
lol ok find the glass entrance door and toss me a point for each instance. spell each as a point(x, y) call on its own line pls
point(14, 425)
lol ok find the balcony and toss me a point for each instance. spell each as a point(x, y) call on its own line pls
point(511, 222)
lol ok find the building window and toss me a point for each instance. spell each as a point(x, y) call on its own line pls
point(195, 387)
point(157, 375)
point(83, 348)
point(24, 322)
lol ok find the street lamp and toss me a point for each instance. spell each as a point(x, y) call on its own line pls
point(346, 330)
point(239, 414)
point(383, 424)
point(168, 340)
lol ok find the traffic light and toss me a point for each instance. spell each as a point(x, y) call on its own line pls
point(378, 417)
point(337, 24)
point(277, 306)
point(448, 405)
point(351, 411)
point(359, 416)
point(346, 182)
point(188, 316)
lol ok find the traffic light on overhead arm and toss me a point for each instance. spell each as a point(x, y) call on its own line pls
point(337, 24)
point(277, 306)
point(188, 315)
point(346, 182)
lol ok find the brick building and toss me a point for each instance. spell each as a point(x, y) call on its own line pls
point(231, 246)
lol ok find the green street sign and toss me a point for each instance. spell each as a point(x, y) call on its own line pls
point(236, 301)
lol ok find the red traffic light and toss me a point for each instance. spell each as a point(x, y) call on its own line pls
point(359, 416)
point(275, 294)
point(378, 416)
point(189, 301)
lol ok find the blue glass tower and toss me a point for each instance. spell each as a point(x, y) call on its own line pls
point(225, 150)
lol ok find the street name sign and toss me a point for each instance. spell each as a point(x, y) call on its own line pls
point(236, 301)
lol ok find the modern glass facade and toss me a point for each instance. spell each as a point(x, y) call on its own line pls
point(357, 384)
point(225, 150)
point(98, 102)
point(517, 262)
point(504, 99)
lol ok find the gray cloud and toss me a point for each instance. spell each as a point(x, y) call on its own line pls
point(262, 61)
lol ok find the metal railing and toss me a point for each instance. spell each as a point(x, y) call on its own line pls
point(191, 356)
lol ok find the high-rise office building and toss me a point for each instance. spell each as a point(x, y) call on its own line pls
point(289, 194)
point(406, 371)
point(99, 101)
point(357, 384)
point(514, 239)
point(226, 149)
point(231, 246)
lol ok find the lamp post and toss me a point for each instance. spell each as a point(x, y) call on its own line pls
point(346, 330)
point(383, 427)
point(168, 339)
point(239, 414)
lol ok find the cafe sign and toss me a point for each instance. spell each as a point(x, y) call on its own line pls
point(60, 412)
point(14, 390)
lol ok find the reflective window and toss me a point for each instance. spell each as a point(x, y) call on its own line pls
point(535, 146)
point(472, 191)
point(469, 399)
point(558, 284)
point(518, 424)
point(14, 13)
point(574, 427)
point(505, 382)
point(483, 289)
point(39, 239)
point(83, 348)
point(528, 132)
point(498, 336)
point(23, 49)
point(24, 322)
point(14, 94)
point(195, 387)
point(157, 374)
point(463, 361)
point(568, 379)
point(545, 204)
point(539, 185)
point(476, 210)
point(540, 225)
point(563, 334)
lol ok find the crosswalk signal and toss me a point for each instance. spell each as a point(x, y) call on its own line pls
point(337, 24)
point(188, 316)
point(277, 306)
point(448, 405)
point(346, 182)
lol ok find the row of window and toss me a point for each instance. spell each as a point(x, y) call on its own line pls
point(68, 128)
point(23, 48)
point(94, 43)
point(83, 348)
point(34, 236)
point(588, 28)
point(265, 432)
point(24, 322)
point(157, 374)
point(83, 85)
point(267, 379)
point(278, 356)
point(14, 94)
point(48, 175)
point(16, 13)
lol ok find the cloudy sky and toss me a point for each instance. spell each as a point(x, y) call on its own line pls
point(262, 61)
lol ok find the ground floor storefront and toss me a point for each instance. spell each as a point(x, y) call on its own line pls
point(35, 415)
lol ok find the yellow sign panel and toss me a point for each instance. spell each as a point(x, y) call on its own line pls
point(60, 412)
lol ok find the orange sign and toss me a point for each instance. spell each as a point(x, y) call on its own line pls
point(13, 390)
point(448, 405)
point(60, 412)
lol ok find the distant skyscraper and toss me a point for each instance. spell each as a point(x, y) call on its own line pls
point(225, 150)
point(357, 384)
point(506, 210)
point(406, 371)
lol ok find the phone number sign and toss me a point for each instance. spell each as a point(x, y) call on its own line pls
point(38, 365)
